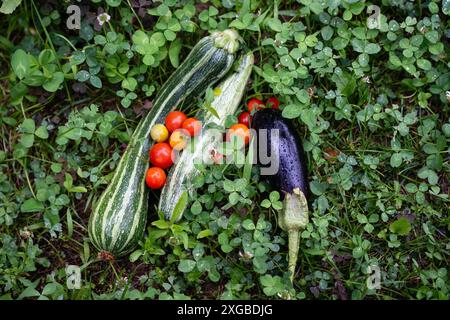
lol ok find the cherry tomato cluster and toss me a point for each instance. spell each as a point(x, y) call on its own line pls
point(174, 134)
point(245, 118)
point(254, 105)
point(176, 131)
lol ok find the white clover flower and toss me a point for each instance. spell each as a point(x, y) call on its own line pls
point(246, 255)
point(25, 233)
point(447, 94)
point(102, 18)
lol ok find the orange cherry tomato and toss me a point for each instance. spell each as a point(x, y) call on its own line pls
point(240, 131)
point(179, 139)
point(155, 178)
point(174, 120)
point(161, 155)
point(245, 118)
point(254, 104)
point(273, 103)
point(192, 125)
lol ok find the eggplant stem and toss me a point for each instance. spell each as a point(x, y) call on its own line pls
point(292, 219)
point(294, 244)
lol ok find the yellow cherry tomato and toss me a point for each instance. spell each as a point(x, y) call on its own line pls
point(159, 133)
point(179, 139)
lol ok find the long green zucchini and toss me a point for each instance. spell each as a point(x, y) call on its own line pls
point(119, 217)
point(226, 103)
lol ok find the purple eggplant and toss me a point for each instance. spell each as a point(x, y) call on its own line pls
point(284, 145)
point(287, 148)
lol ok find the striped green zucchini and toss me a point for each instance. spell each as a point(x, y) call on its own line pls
point(226, 103)
point(118, 219)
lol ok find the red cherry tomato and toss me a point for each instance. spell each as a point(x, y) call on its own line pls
point(161, 155)
point(240, 131)
point(245, 118)
point(273, 103)
point(174, 120)
point(192, 125)
point(155, 178)
point(254, 104)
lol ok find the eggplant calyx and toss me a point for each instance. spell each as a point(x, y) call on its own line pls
point(294, 215)
point(292, 219)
